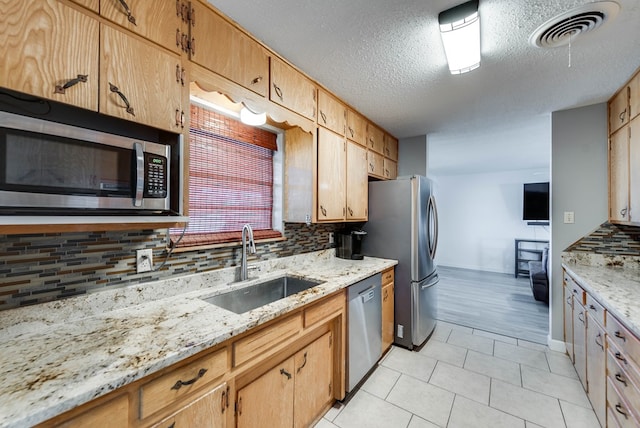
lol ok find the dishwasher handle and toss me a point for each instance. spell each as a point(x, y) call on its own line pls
point(368, 294)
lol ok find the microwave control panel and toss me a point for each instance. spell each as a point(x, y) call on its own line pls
point(155, 176)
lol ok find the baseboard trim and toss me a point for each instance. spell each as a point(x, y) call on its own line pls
point(556, 345)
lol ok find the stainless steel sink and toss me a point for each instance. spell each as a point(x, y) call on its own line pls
point(262, 293)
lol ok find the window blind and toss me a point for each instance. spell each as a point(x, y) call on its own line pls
point(230, 180)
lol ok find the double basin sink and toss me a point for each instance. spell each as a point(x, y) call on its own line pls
point(262, 293)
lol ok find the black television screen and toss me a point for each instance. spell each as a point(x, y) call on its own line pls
point(535, 201)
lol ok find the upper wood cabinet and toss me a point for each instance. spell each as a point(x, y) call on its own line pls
point(49, 50)
point(163, 22)
point(619, 176)
point(93, 5)
point(634, 170)
point(619, 110)
point(224, 49)
point(357, 184)
point(375, 164)
point(375, 138)
point(292, 89)
point(634, 96)
point(140, 82)
point(332, 114)
point(331, 176)
point(356, 127)
point(391, 147)
point(389, 169)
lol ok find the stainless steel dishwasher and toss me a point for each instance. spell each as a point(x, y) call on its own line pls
point(365, 328)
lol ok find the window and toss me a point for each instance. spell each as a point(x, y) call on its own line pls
point(231, 182)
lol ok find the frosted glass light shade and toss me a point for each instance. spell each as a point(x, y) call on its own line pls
point(461, 39)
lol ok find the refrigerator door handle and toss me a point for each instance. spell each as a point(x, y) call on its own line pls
point(431, 283)
point(432, 213)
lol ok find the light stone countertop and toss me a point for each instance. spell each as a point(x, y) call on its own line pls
point(58, 355)
point(614, 281)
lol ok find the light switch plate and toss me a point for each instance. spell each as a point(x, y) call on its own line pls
point(569, 217)
point(144, 260)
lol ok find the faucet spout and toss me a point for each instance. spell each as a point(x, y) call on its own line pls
point(247, 235)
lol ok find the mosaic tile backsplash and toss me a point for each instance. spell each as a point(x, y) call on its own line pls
point(610, 239)
point(44, 267)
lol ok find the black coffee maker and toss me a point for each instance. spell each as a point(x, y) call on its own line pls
point(349, 244)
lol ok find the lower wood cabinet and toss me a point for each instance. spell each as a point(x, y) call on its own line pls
point(596, 368)
point(388, 319)
point(206, 411)
point(113, 413)
point(579, 338)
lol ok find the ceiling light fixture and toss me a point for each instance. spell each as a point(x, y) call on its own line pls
point(460, 32)
point(250, 118)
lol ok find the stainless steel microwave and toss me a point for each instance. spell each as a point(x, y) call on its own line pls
point(53, 168)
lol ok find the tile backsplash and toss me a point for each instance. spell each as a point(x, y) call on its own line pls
point(43, 267)
point(610, 239)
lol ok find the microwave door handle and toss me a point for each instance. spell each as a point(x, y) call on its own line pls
point(137, 201)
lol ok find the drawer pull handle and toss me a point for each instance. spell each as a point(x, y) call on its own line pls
point(115, 89)
point(599, 343)
point(620, 410)
point(179, 384)
point(620, 336)
point(130, 17)
point(593, 308)
point(620, 379)
point(79, 78)
point(285, 373)
point(256, 80)
point(620, 357)
point(303, 364)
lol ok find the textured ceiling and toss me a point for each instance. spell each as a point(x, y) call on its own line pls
point(385, 58)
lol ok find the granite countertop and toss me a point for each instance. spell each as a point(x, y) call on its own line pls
point(614, 281)
point(58, 355)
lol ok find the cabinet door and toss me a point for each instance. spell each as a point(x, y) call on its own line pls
point(619, 176)
point(332, 114)
point(49, 50)
point(387, 316)
point(139, 82)
point(158, 21)
point(357, 182)
point(114, 413)
point(222, 48)
point(207, 411)
point(391, 147)
point(596, 371)
point(634, 97)
point(375, 164)
point(634, 170)
point(579, 338)
point(390, 169)
point(356, 128)
point(313, 377)
point(331, 176)
point(619, 110)
point(568, 322)
point(375, 138)
point(268, 400)
point(291, 89)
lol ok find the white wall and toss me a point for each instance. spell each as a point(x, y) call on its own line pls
point(412, 155)
point(479, 217)
point(578, 184)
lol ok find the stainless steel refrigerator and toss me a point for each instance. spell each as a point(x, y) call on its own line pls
point(403, 225)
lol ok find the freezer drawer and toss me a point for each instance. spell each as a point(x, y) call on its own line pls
point(365, 328)
point(424, 300)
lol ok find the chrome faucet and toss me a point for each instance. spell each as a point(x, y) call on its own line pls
point(247, 233)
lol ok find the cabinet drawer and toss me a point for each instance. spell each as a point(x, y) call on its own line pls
point(623, 339)
point(574, 288)
point(623, 376)
point(620, 408)
point(322, 310)
point(261, 342)
point(595, 309)
point(387, 277)
point(112, 413)
point(168, 388)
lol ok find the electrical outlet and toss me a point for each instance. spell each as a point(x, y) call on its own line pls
point(331, 241)
point(569, 217)
point(144, 260)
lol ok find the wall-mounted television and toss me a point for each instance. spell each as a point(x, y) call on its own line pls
point(535, 201)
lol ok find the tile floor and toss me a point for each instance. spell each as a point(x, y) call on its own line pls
point(468, 378)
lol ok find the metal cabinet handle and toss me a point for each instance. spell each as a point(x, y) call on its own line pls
point(278, 91)
point(371, 166)
point(324, 211)
point(192, 46)
point(60, 89)
point(622, 115)
point(130, 17)
point(303, 364)
point(324, 117)
point(593, 308)
point(599, 343)
point(191, 15)
point(285, 373)
point(623, 212)
point(620, 410)
point(178, 37)
point(350, 211)
point(179, 384)
point(619, 356)
point(256, 80)
point(115, 89)
point(620, 379)
point(351, 131)
point(581, 317)
point(620, 336)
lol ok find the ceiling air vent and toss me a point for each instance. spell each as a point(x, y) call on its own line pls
point(566, 27)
